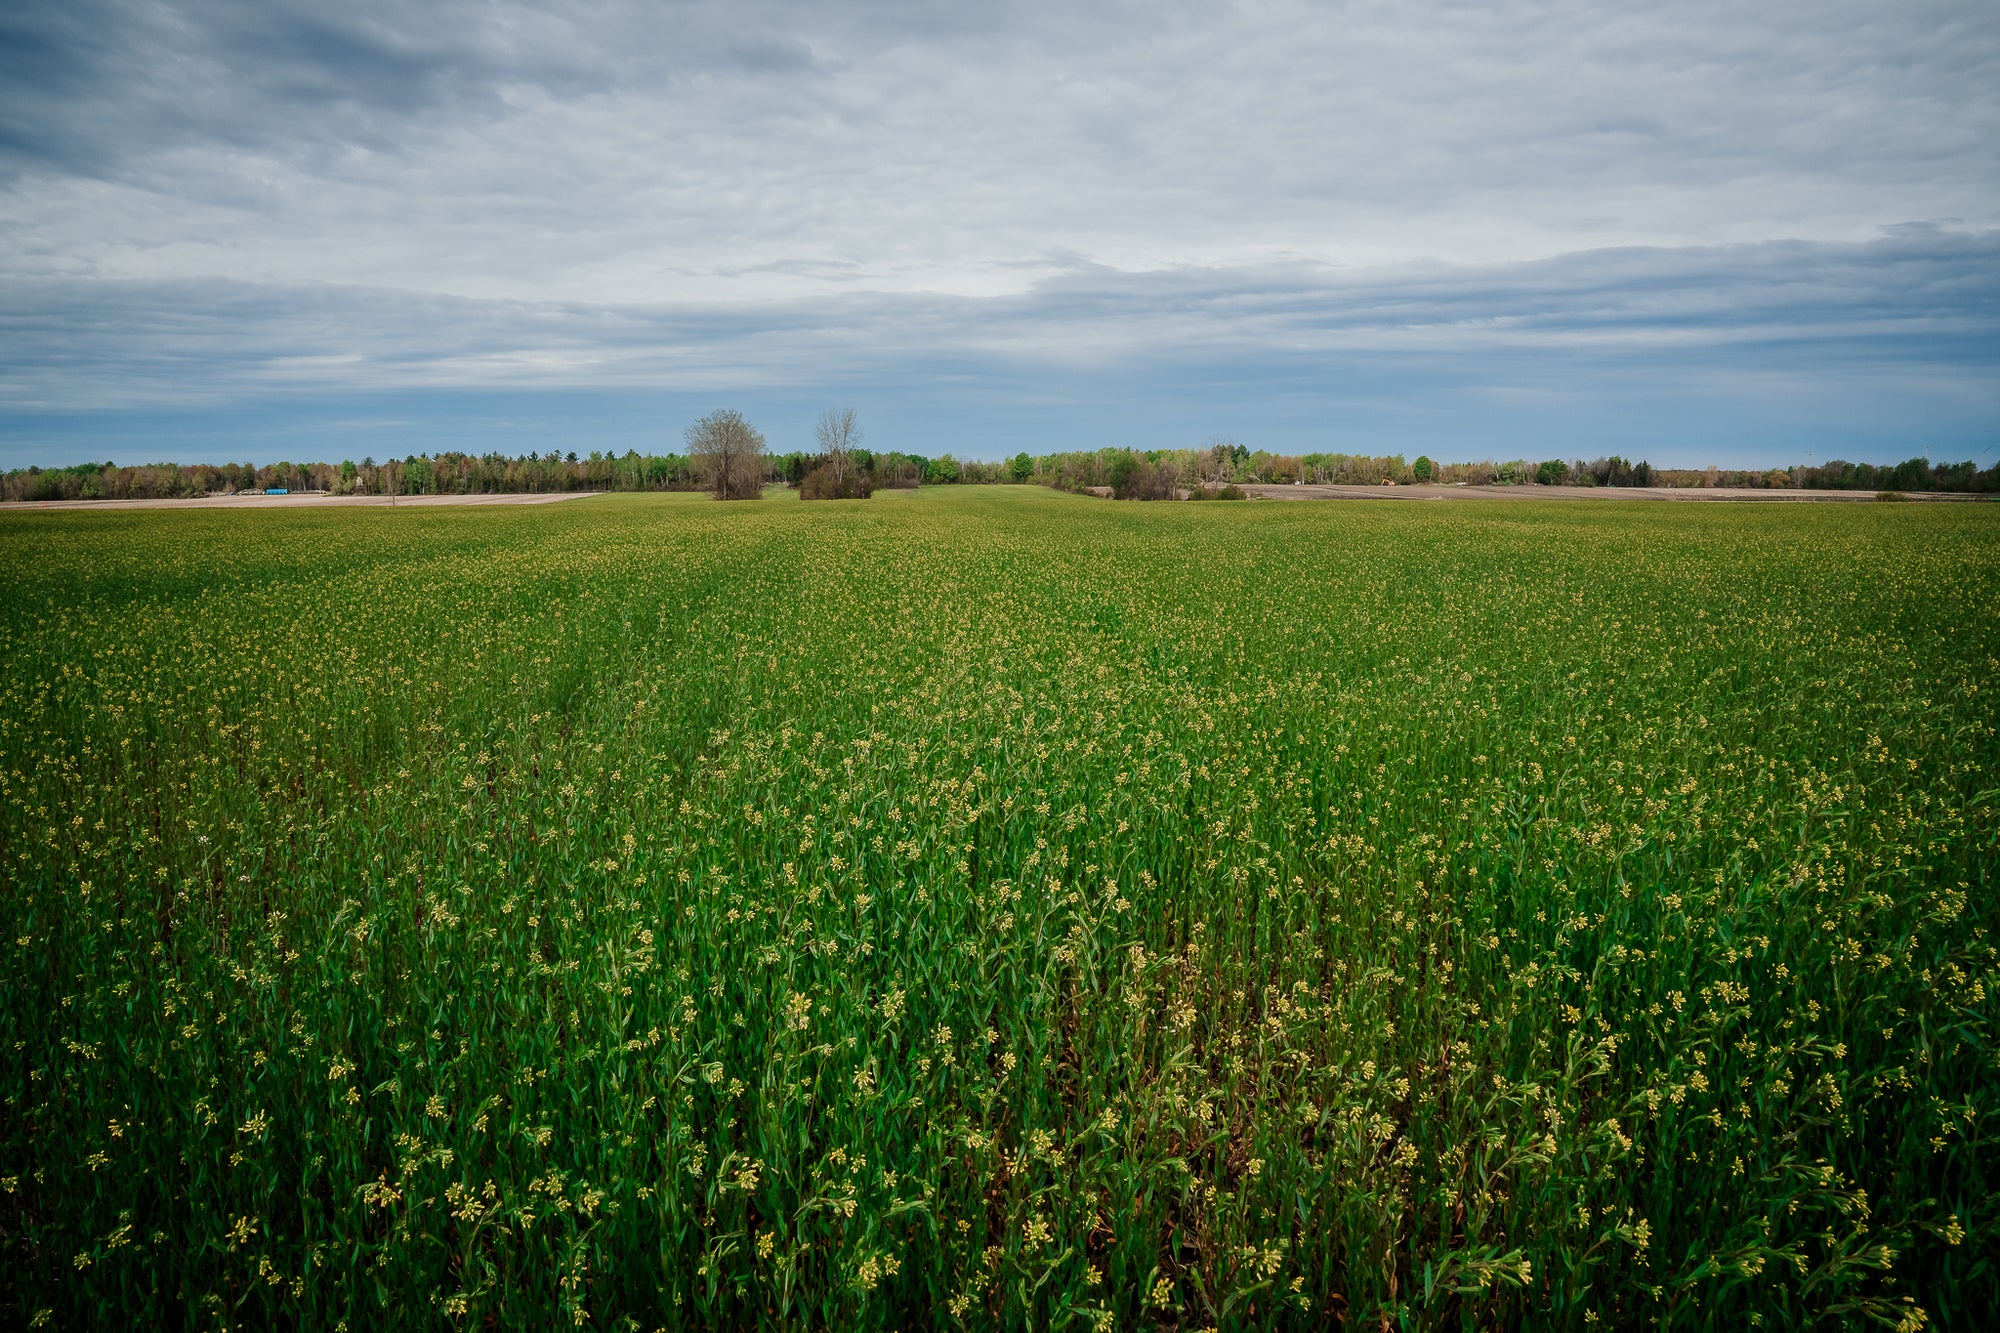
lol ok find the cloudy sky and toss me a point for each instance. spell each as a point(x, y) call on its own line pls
point(1695, 232)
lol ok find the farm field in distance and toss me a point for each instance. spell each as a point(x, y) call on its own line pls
point(993, 908)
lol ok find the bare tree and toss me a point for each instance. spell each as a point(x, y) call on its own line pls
point(838, 434)
point(730, 453)
point(1217, 460)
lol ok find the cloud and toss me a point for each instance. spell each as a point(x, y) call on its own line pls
point(1927, 294)
point(211, 203)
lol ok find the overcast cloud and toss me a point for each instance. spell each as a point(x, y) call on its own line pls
point(1715, 232)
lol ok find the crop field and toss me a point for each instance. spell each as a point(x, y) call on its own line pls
point(992, 908)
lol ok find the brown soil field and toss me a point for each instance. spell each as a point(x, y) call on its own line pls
point(1737, 493)
point(307, 501)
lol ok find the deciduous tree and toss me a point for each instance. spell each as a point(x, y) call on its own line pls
point(730, 453)
point(838, 432)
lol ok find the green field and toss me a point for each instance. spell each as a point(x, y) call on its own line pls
point(993, 908)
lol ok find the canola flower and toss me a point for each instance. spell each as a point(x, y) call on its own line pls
point(999, 908)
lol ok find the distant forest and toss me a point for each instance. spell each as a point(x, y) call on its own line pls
point(1150, 474)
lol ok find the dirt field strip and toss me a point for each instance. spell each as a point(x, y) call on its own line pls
point(255, 501)
point(1682, 493)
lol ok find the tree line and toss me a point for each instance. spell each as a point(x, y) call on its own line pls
point(1223, 464)
point(725, 455)
point(730, 458)
point(448, 473)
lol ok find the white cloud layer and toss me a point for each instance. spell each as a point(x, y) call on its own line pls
point(209, 200)
point(1923, 295)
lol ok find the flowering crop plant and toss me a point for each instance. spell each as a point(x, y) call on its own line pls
point(994, 908)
